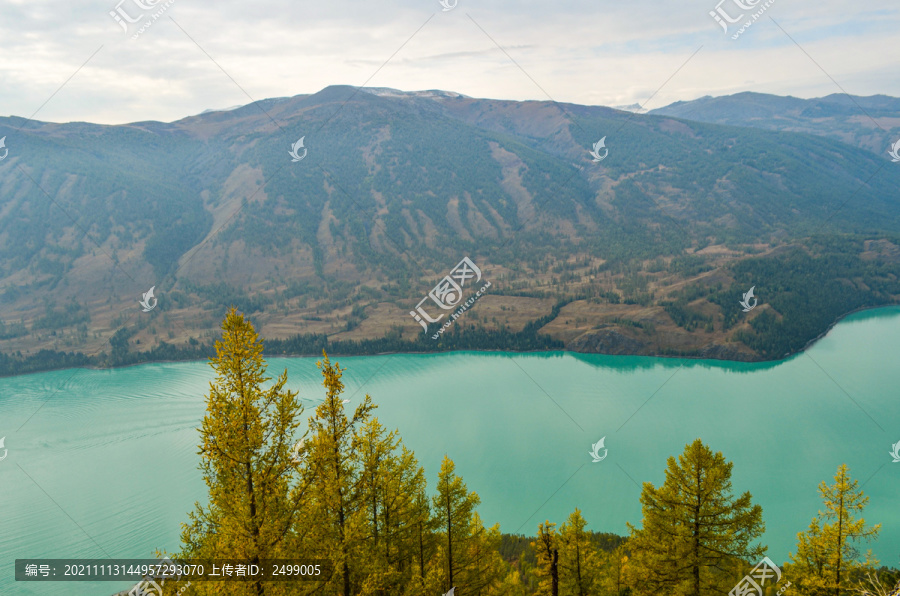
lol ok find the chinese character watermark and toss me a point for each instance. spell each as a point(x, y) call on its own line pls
point(447, 295)
point(148, 587)
point(124, 19)
point(754, 582)
point(724, 19)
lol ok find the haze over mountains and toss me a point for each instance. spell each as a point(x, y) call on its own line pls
point(868, 122)
point(647, 251)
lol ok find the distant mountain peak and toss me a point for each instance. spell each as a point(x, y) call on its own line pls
point(867, 122)
point(390, 92)
point(222, 109)
point(635, 107)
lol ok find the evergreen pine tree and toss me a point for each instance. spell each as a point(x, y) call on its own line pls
point(546, 548)
point(392, 493)
point(335, 521)
point(616, 571)
point(245, 459)
point(693, 527)
point(827, 556)
point(468, 555)
point(580, 561)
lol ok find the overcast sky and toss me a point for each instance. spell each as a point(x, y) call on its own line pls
point(202, 55)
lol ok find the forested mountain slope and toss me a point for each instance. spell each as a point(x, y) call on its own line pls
point(647, 251)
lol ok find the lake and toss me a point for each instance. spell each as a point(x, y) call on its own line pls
point(105, 461)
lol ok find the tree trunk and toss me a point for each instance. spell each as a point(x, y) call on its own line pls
point(578, 568)
point(421, 555)
point(345, 567)
point(374, 510)
point(696, 545)
point(449, 542)
point(837, 584)
point(254, 526)
point(248, 469)
point(618, 576)
point(554, 574)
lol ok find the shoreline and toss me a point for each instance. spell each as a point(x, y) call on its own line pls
point(807, 346)
point(810, 343)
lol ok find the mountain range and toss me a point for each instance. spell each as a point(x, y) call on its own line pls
point(645, 251)
point(870, 123)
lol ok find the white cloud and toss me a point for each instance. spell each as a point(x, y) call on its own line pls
point(583, 52)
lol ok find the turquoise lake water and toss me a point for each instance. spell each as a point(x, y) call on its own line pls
point(103, 463)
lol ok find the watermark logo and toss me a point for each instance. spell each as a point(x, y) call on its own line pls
point(296, 451)
point(5, 450)
point(595, 152)
point(895, 453)
point(151, 588)
point(754, 582)
point(447, 5)
point(894, 151)
point(450, 593)
point(746, 301)
point(447, 294)
point(295, 148)
point(468, 304)
point(724, 19)
point(148, 587)
point(5, 150)
point(124, 19)
point(145, 302)
point(595, 451)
